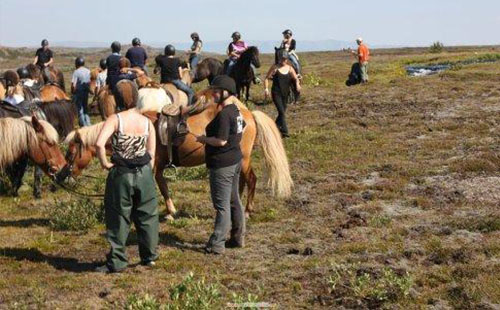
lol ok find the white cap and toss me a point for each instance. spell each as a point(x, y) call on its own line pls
point(360, 39)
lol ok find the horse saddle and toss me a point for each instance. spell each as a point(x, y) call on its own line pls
point(25, 108)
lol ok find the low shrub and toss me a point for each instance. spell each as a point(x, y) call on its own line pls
point(75, 215)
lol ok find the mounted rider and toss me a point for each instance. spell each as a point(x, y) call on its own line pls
point(113, 65)
point(234, 51)
point(137, 55)
point(44, 57)
point(195, 51)
point(171, 71)
point(101, 77)
point(289, 44)
point(31, 87)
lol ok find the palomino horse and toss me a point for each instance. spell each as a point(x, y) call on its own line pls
point(242, 72)
point(3, 89)
point(208, 68)
point(260, 129)
point(178, 96)
point(31, 138)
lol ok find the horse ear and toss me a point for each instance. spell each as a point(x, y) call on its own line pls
point(36, 124)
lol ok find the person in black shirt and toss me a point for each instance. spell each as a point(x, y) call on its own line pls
point(223, 158)
point(137, 54)
point(113, 65)
point(171, 70)
point(44, 57)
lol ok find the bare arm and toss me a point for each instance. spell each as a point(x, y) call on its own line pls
point(35, 60)
point(107, 130)
point(180, 72)
point(50, 62)
point(269, 76)
point(213, 141)
point(151, 144)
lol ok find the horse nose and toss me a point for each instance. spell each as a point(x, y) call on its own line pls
point(63, 174)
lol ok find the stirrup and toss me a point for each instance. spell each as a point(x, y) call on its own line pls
point(171, 165)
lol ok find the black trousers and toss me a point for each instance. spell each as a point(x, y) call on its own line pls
point(280, 101)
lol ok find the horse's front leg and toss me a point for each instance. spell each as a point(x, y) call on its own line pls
point(163, 186)
point(37, 183)
point(248, 92)
point(16, 172)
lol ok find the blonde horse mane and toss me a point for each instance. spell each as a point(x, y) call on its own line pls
point(152, 99)
point(87, 134)
point(20, 136)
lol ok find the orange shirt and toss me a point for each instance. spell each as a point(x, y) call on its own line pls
point(364, 53)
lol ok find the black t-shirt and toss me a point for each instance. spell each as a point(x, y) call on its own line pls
point(113, 65)
point(169, 68)
point(228, 126)
point(44, 56)
point(137, 56)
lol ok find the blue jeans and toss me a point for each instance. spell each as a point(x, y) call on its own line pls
point(230, 64)
point(182, 86)
point(81, 100)
point(193, 61)
point(295, 63)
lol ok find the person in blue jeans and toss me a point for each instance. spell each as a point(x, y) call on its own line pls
point(289, 44)
point(80, 86)
point(195, 51)
point(171, 70)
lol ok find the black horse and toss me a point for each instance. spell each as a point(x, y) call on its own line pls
point(60, 114)
point(208, 68)
point(242, 72)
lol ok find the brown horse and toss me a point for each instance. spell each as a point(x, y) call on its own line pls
point(208, 68)
point(52, 92)
point(54, 76)
point(260, 128)
point(178, 96)
point(3, 89)
point(31, 138)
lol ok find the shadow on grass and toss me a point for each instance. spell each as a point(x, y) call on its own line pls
point(34, 255)
point(24, 222)
point(170, 240)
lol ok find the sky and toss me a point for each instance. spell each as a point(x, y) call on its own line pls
point(380, 22)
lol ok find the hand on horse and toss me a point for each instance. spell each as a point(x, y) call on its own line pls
point(201, 138)
point(266, 93)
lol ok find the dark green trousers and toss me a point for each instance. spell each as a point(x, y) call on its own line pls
point(130, 196)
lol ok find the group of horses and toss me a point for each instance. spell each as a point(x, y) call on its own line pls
point(150, 98)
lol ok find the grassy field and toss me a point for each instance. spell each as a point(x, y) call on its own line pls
point(395, 206)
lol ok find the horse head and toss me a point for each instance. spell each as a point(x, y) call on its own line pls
point(253, 52)
point(46, 153)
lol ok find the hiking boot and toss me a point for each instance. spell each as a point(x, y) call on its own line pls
point(232, 243)
point(105, 269)
point(148, 263)
point(209, 250)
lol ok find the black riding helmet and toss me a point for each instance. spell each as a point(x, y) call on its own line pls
point(116, 47)
point(23, 73)
point(287, 32)
point(79, 61)
point(195, 35)
point(102, 64)
point(136, 41)
point(170, 50)
point(44, 42)
point(236, 35)
point(224, 82)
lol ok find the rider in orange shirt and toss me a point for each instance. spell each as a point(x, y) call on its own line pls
point(363, 54)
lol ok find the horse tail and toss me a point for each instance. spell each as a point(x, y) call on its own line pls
point(275, 158)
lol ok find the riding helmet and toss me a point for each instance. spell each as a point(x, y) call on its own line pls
point(45, 42)
point(79, 61)
point(116, 47)
point(195, 35)
point(288, 32)
point(136, 41)
point(224, 82)
point(23, 73)
point(102, 64)
point(170, 50)
point(236, 35)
